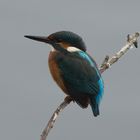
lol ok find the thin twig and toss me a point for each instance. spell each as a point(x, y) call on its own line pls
point(52, 120)
point(131, 41)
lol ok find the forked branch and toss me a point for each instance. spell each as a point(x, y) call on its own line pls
point(131, 42)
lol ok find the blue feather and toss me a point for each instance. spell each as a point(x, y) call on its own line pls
point(91, 61)
point(100, 82)
point(82, 78)
point(101, 91)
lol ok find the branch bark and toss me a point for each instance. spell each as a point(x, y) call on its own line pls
point(52, 120)
point(131, 42)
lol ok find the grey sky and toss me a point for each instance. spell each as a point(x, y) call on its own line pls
point(28, 95)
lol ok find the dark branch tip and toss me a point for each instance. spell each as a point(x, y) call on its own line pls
point(136, 44)
point(137, 34)
point(128, 37)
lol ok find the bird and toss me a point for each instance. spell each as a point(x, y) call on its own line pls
point(73, 69)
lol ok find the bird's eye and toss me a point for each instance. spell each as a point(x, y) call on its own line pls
point(56, 40)
point(59, 40)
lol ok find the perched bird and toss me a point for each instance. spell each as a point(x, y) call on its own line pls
point(75, 72)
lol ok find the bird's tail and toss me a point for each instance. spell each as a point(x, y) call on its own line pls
point(95, 107)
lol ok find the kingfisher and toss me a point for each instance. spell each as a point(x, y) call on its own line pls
point(73, 69)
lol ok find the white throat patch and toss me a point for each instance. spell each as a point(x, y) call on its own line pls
point(52, 48)
point(73, 49)
point(69, 49)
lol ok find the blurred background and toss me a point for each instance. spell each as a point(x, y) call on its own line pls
point(28, 95)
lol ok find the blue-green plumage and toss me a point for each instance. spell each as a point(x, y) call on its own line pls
point(82, 78)
point(74, 71)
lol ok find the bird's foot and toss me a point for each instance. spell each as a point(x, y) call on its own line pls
point(68, 99)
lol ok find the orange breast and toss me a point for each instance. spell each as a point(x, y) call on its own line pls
point(55, 72)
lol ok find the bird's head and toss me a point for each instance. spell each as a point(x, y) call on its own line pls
point(64, 38)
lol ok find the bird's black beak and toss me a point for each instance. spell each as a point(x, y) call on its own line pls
point(49, 41)
point(39, 38)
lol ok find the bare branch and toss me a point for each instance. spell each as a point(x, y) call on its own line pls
point(52, 120)
point(131, 41)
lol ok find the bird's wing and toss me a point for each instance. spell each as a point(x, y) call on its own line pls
point(80, 73)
